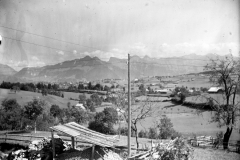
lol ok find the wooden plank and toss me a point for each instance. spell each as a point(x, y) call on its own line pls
point(89, 131)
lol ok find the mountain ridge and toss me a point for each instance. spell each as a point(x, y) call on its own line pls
point(93, 68)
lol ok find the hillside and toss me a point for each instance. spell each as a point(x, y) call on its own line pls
point(6, 72)
point(89, 68)
point(75, 70)
point(23, 97)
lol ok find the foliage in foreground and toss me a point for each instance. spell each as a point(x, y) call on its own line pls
point(104, 121)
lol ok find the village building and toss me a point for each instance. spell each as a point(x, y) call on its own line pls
point(215, 90)
point(80, 105)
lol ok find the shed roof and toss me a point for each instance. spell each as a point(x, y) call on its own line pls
point(78, 131)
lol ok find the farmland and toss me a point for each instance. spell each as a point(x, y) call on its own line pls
point(23, 97)
point(184, 119)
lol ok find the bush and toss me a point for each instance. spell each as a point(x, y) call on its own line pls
point(104, 121)
point(165, 127)
point(101, 127)
point(143, 134)
point(175, 134)
point(123, 131)
point(152, 133)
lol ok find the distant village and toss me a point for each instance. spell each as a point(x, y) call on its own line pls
point(154, 85)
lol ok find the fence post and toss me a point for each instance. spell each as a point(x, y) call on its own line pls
point(5, 137)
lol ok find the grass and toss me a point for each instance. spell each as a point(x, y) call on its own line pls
point(212, 154)
point(185, 120)
point(73, 95)
point(23, 97)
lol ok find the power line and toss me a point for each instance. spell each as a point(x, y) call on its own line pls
point(102, 58)
point(40, 45)
point(167, 64)
point(181, 58)
point(50, 38)
point(84, 45)
point(94, 59)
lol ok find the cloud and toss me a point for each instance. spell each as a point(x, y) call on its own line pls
point(74, 52)
point(17, 65)
point(165, 50)
point(34, 58)
point(60, 52)
point(106, 55)
point(185, 48)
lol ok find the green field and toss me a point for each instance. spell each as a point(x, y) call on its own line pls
point(23, 97)
point(185, 120)
point(74, 95)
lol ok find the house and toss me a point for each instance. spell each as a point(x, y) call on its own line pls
point(164, 92)
point(215, 90)
point(116, 89)
point(80, 105)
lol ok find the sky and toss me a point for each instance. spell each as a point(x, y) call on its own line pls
point(114, 28)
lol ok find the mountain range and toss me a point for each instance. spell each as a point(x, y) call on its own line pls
point(92, 68)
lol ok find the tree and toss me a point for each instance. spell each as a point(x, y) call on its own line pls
point(82, 98)
point(111, 115)
point(96, 99)
point(11, 115)
point(138, 113)
point(142, 89)
point(79, 115)
point(49, 86)
point(106, 88)
point(225, 72)
point(152, 133)
point(15, 89)
point(55, 111)
point(113, 86)
point(165, 127)
point(33, 109)
point(97, 86)
point(80, 86)
point(89, 85)
point(181, 93)
point(104, 121)
point(90, 105)
point(44, 92)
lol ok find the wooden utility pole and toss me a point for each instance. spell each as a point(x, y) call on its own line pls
point(129, 108)
point(53, 144)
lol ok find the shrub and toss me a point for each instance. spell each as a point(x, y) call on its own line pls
point(152, 133)
point(104, 121)
point(101, 127)
point(143, 134)
point(123, 131)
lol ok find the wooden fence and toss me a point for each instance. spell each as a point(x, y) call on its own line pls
point(25, 140)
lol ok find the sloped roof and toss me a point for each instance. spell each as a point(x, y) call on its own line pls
point(78, 131)
point(80, 105)
point(214, 89)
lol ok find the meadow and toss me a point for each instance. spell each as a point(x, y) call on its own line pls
point(185, 120)
point(23, 97)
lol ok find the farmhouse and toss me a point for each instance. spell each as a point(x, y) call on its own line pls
point(215, 90)
point(80, 105)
